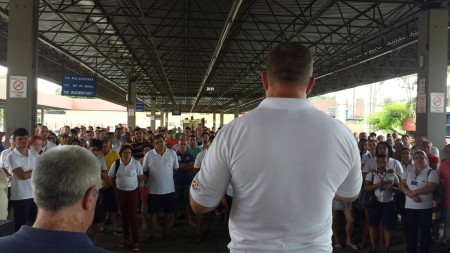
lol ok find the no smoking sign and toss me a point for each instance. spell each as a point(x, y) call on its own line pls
point(437, 102)
point(18, 87)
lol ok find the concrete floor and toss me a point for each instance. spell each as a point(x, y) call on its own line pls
point(185, 241)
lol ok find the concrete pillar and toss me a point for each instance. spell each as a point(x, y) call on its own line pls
point(432, 76)
point(167, 119)
point(42, 116)
point(153, 114)
point(21, 91)
point(221, 118)
point(236, 109)
point(214, 121)
point(162, 116)
point(131, 105)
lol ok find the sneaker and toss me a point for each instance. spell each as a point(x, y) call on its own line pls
point(102, 231)
point(118, 232)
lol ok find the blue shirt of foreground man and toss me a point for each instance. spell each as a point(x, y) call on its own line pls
point(283, 182)
point(65, 182)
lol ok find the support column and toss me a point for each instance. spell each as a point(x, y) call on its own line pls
point(131, 105)
point(236, 109)
point(214, 122)
point(162, 117)
point(221, 118)
point(153, 114)
point(167, 120)
point(21, 91)
point(42, 116)
point(432, 76)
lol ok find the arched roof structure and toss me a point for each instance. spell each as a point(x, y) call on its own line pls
point(203, 55)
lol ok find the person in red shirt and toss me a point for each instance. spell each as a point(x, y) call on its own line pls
point(444, 176)
point(432, 159)
point(171, 140)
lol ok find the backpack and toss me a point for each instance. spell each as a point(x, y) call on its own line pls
point(117, 165)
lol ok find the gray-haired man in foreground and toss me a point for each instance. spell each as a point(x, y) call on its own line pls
point(65, 182)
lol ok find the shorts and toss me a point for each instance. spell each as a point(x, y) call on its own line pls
point(99, 214)
point(182, 193)
point(109, 200)
point(143, 194)
point(161, 202)
point(383, 212)
point(340, 205)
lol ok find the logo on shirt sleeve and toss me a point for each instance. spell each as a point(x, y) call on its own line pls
point(195, 186)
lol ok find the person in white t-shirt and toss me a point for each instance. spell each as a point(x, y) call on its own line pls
point(125, 175)
point(418, 185)
point(209, 216)
point(386, 149)
point(3, 196)
point(159, 165)
point(22, 161)
point(6, 168)
point(384, 183)
point(363, 145)
point(281, 200)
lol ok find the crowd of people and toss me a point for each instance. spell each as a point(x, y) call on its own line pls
point(277, 200)
point(408, 181)
point(139, 168)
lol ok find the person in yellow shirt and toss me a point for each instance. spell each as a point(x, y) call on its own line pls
point(109, 196)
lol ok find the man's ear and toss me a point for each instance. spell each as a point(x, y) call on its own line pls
point(311, 83)
point(264, 80)
point(90, 198)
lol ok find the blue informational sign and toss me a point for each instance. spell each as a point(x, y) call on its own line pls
point(139, 106)
point(79, 86)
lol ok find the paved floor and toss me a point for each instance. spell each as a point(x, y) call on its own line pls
point(185, 241)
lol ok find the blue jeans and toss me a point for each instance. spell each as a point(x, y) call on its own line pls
point(416, 218)
point(25, 211)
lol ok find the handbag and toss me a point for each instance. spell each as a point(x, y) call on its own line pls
point(368, 198)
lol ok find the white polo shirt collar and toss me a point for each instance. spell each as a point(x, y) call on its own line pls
point(286, 103)
point(16, 151)
point(156, 153)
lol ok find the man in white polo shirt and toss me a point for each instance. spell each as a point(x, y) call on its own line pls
point(158, 165)
point(22, 161)
point(6, 168)
point(281, 199)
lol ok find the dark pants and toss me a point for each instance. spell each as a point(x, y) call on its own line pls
point(109, 200)
point(25, 211)
point(416, 218)
point(128, 203)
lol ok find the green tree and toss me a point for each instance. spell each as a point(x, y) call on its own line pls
point(390, 118)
